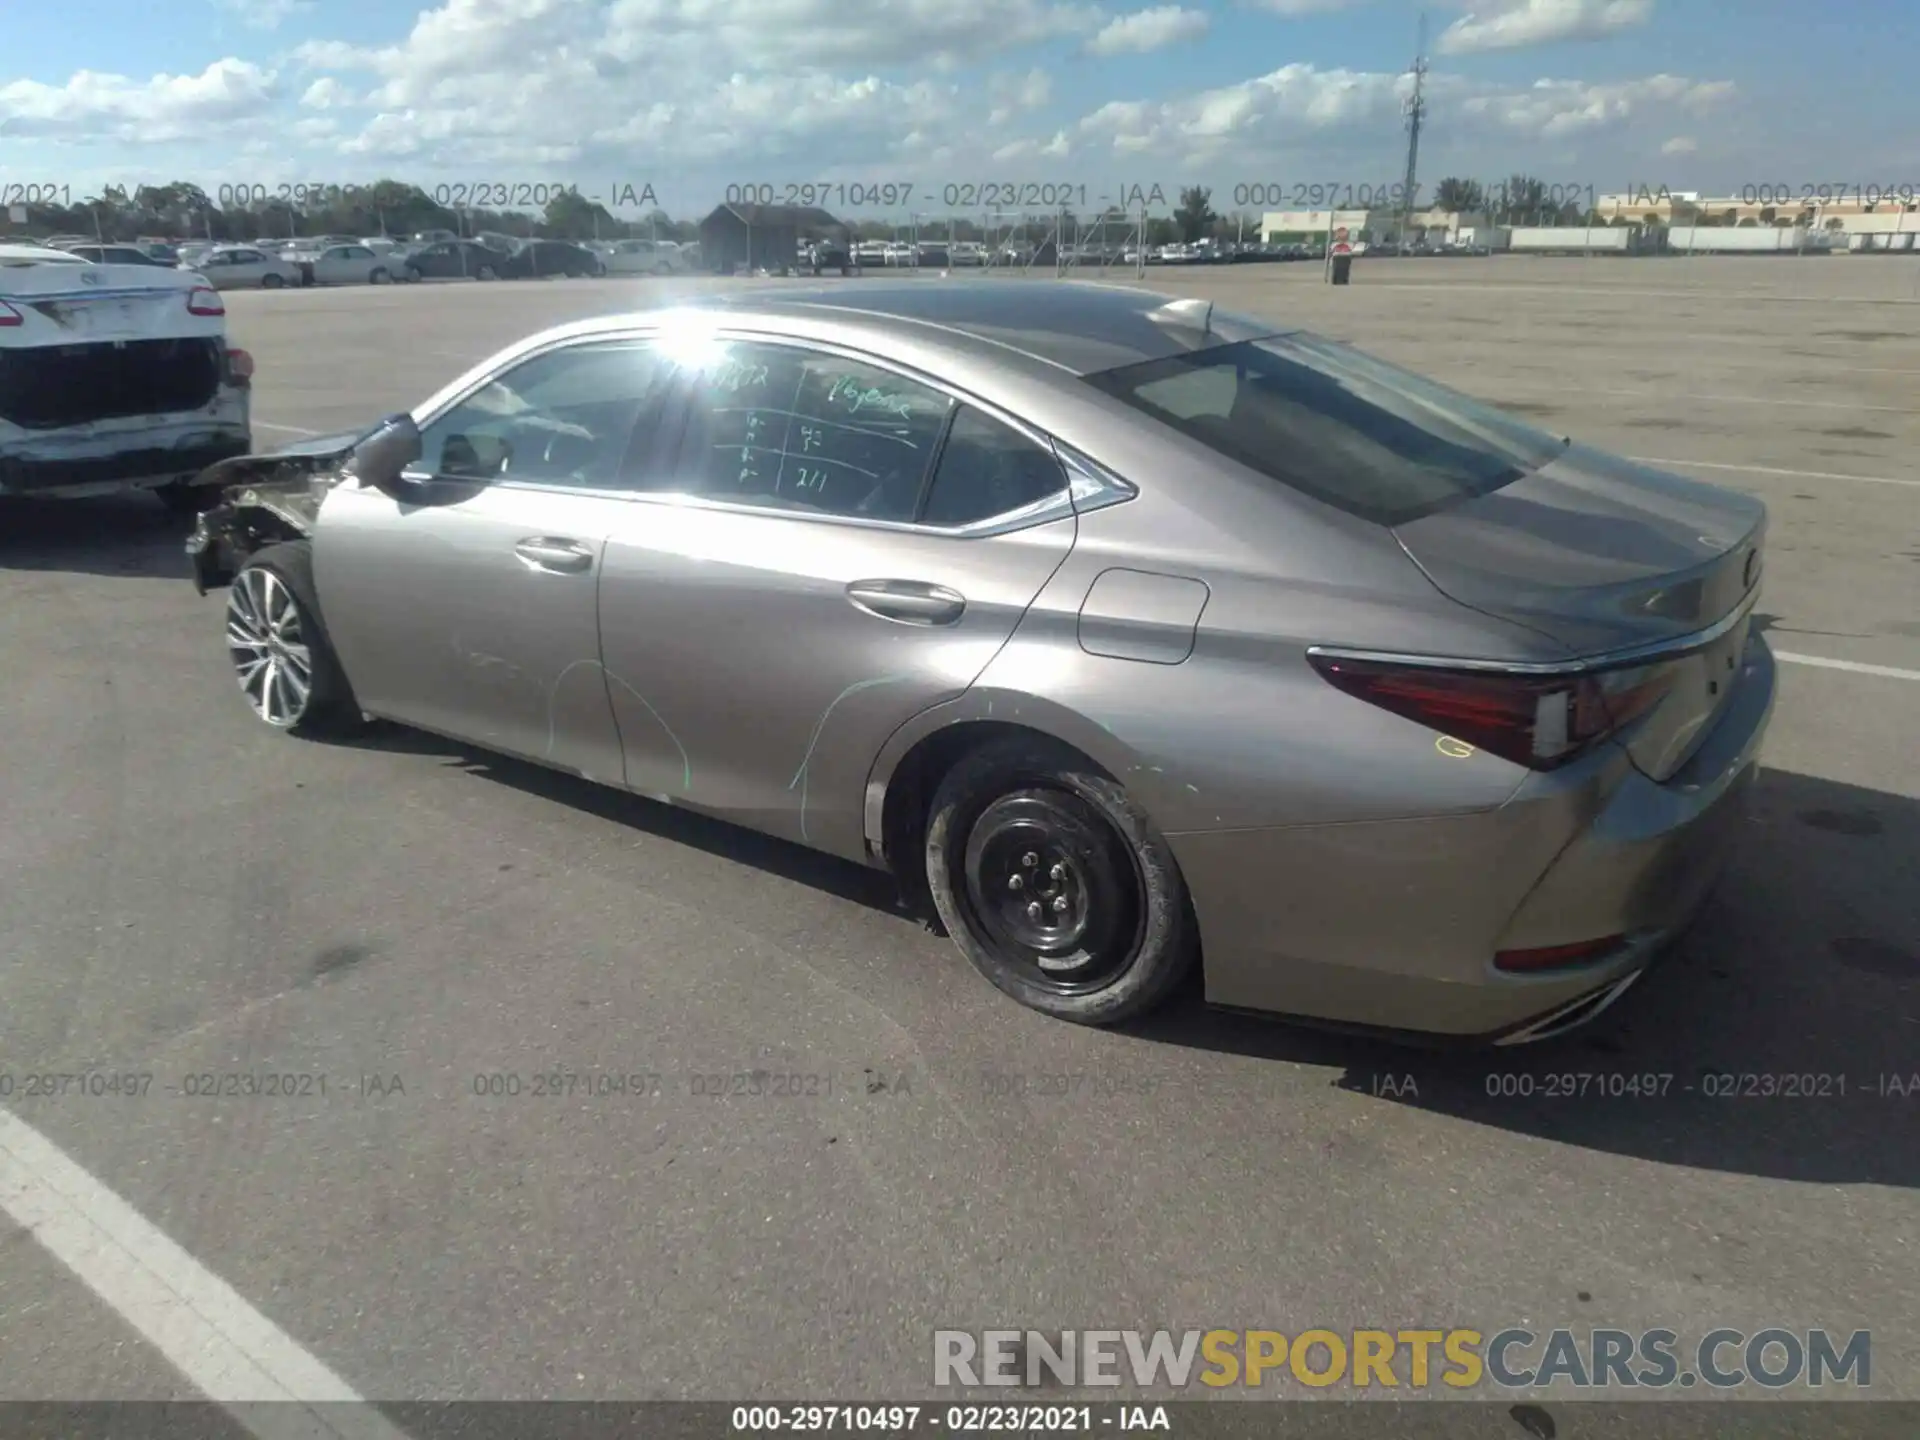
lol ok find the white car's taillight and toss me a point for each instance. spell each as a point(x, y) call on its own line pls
point(205, 300)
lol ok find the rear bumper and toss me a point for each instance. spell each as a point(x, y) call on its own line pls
point(139, 465)
point(1392, 927)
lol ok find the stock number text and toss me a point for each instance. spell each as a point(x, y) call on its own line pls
point(1844, 193)
point(840, 194)
point(1322, 195)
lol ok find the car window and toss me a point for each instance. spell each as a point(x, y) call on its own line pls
point(800, 430)
point(565, 417)
point(1357, 433)
point(988, 468)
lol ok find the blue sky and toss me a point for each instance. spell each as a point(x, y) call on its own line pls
point(688, 96)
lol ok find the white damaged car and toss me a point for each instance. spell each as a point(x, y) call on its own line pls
point(114, 377)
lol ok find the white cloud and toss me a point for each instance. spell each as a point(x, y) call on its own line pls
point(692, 95)
point(264, 14)
point(1304, 7)
point(1145, 31)
point(167, 107)
point(1680, 145)
point(1556, 108)
point(326, 93)
point(1518, 24)
point(1011, 95)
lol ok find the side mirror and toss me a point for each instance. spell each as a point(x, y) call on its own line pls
point(378, 459)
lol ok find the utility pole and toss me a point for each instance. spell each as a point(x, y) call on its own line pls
point(1416, 116)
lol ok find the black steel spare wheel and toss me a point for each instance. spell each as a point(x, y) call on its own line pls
point(1054, 887)
point(1055, 884)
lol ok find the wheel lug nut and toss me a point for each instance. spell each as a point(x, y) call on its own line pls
point(1015, 882)
point(1060, 905)
point(1059, 871)
point(1030, 860)
point(1033, 910)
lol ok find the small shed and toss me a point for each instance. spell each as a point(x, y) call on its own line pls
point(761, 236)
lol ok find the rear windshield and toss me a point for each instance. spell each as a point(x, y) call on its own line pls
point(1367, 437)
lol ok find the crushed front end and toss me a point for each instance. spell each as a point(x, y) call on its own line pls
point(265, 499)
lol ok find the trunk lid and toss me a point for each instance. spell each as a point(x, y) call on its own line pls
point(1599, 554)
point(68, 303)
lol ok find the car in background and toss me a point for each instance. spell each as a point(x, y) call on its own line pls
point(964, 253)
point(118, 255)
point(870, 254)
point(247, 267)
point(382, 244)
point(826, 253)
point(640, 257)
point(1137, 634)
point(114, 376)
point(352, 264)
point(450, 260)
point(540, 259)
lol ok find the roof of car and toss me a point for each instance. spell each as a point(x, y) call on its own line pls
point(1077, 325)
point(17, 254)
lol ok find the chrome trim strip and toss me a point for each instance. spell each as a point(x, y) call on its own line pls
point(1572, 1015)
point(1580, 665)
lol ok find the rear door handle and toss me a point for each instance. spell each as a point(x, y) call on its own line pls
point(555, 553)
point(909, 601)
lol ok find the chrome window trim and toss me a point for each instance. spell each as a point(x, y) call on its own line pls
point(1673, 649)
point(1088, 485)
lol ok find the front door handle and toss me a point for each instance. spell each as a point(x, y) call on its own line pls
point(552, 552)
point(909, 601)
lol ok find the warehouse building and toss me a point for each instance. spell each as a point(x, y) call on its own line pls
point(761, 237)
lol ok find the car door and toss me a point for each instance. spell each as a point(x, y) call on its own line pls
point(464, 602)
point(333, 267)
point(804, 590)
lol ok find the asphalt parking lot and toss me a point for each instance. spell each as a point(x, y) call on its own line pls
point(186, 893)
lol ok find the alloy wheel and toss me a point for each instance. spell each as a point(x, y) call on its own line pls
point(270, 656)
point(1055, 890)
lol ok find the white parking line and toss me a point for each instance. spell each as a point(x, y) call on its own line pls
point(1747, 297)
point(231, 1352)
point(1853, 665)
point(283, 429)
point(1769, 470)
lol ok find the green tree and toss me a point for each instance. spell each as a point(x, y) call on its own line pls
point(1195, 215)
point(1459, 196)
point(571, 216)
point(1522, 200)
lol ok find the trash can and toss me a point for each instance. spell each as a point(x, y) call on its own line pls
point(1342, 269)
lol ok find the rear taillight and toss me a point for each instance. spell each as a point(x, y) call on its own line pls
point(239, 367)
point(1540, 721)
point(205, 300)
point(1557, 957)
point(10, 317)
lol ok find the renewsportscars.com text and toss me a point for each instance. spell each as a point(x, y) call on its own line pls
point(1515, 1359)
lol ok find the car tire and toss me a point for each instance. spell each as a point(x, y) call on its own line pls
point(413, 275)
point(485, 272)
point(272, 282)
point(378, 276)
point(274, 581)
point(1026, 817)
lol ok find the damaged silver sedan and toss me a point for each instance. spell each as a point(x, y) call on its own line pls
point(1123, 628)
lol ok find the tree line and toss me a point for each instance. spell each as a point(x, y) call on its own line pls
point(394, 207)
